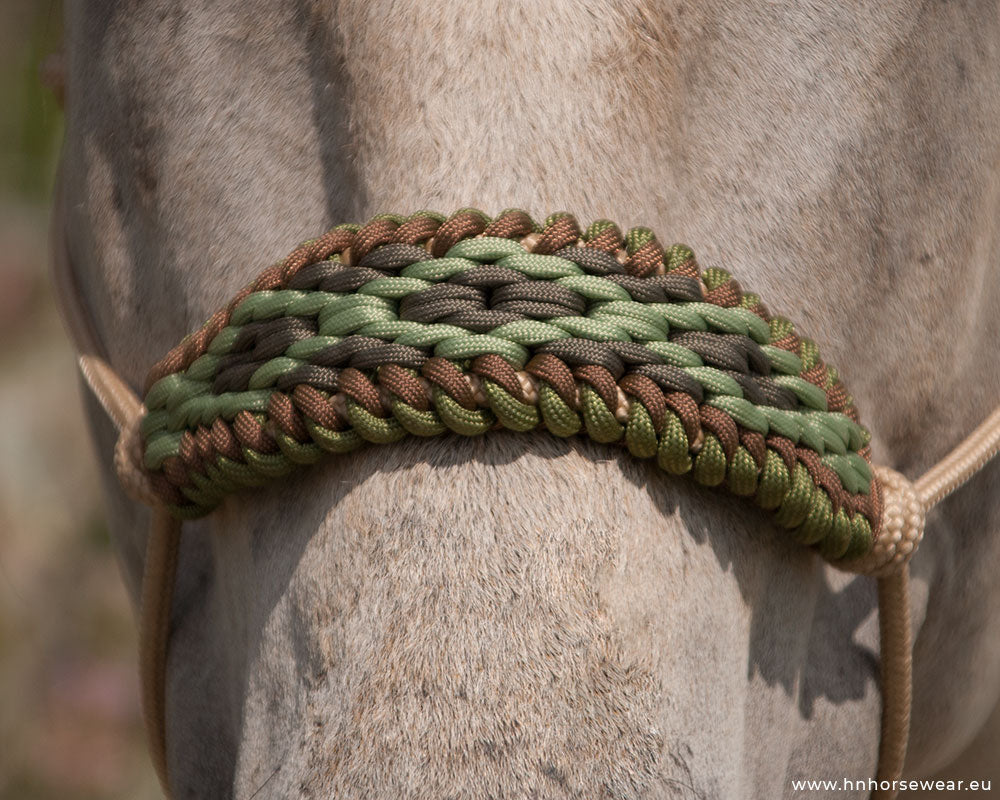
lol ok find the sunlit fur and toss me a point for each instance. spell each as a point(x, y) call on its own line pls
point(523, 617)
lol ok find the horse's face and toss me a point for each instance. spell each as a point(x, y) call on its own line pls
point(513, 614)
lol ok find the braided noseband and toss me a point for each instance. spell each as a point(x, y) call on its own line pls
point(424, 324)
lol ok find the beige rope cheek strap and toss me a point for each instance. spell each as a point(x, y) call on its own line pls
point(595, 301)
point(160, 566)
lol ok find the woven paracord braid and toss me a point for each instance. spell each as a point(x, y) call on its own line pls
point(425, 324)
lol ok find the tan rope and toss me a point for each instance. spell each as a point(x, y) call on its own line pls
point(903, 517)
point(896, 650)
point(978, 448)
point(116, 397)
point(160, 568)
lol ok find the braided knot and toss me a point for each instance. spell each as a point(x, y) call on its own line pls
point(903, 515)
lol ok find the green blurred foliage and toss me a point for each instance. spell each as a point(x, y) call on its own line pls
point(30, 118)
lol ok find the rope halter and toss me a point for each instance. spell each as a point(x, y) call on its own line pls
point(424, 325)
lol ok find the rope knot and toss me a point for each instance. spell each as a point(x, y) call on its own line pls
point(903, 514)
point(126, 411)
point(132, 475)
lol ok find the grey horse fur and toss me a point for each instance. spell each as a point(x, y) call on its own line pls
point(521, 617)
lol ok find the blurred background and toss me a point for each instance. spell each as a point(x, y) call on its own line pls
point(70, 724)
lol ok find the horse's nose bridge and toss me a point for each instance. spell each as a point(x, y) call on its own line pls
point(481, 618)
